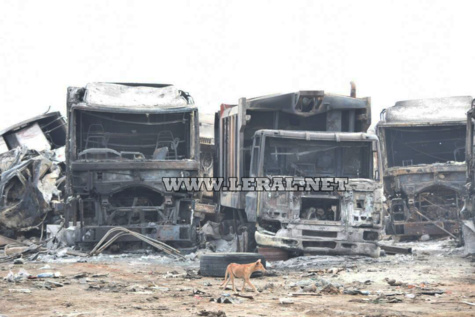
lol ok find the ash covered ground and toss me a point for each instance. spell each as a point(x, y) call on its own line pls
point(435, 280)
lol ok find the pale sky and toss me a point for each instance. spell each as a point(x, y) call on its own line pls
point(220, 51)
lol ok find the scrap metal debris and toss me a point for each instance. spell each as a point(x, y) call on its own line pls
point(32, 173)
point(30, 181)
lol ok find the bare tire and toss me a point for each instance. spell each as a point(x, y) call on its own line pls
point(215, 264)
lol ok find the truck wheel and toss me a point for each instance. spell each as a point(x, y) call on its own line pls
point(215, 264)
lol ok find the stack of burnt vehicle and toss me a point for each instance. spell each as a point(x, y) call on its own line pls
point(123, 139)
point(302, 135)
point(423, 146)
point(32, 175)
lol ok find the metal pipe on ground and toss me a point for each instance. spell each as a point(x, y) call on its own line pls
point(104, 243)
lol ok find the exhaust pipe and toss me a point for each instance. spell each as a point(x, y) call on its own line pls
point(353, 90)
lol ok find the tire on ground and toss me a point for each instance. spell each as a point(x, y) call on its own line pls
point(215, 264)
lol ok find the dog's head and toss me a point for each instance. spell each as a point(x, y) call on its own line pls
point(258, 266)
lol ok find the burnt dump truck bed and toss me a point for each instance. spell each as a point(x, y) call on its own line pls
point(300, 111)
point(123, 139)
point(423, 144)
point(32, 168)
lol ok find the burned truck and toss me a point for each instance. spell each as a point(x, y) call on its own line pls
point(468, 212)
point(32, 174)
point(423, 146)
point(278, 136)
point(122, 140)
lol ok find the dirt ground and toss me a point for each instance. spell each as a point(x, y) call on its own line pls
point(434, 281)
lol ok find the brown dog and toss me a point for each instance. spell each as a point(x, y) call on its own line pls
point(243, 271)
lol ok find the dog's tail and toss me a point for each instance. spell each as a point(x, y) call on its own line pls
point(226, 275)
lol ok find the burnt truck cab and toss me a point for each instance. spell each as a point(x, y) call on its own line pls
point(122, 140)
point(423, 146)
point(345, 221)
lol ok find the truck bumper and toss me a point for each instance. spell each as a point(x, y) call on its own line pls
point(318, 246)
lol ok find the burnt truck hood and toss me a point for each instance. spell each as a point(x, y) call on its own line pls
point(415, 179)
